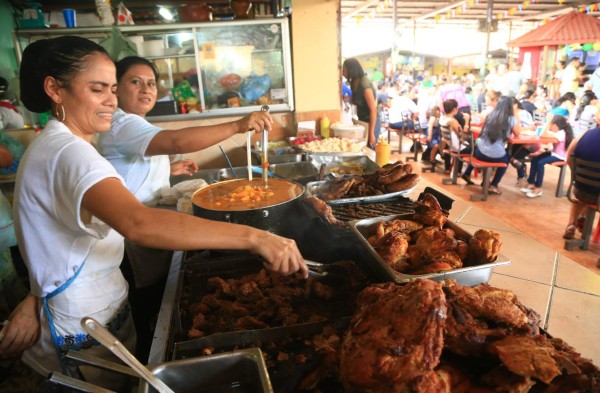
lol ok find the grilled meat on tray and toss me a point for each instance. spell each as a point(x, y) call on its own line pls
point(391, 178)
point(430, 248)
point(261, 300)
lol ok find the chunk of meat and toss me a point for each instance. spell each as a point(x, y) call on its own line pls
point(483, 314)
point(323, 210)
point(484, 247)
point(395, 340)
point(429, 212)
point(533, 357)
point(392, 247)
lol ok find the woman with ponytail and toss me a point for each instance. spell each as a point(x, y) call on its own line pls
point(72, 211)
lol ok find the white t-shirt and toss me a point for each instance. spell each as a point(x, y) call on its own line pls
point(400, 106)
point(55, 172)
point(125, 147)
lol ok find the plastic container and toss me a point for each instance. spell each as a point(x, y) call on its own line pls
point(350, 131)
point(382, 152)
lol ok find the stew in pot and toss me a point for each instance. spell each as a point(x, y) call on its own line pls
point(243, 194)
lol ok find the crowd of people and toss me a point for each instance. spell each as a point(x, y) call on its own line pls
point(503, 105)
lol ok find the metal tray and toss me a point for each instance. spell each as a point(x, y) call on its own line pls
point(318, 187)
point(466, 276)
point(196, 271)
point(240, 371)
point(364, 163)
point(278, 158)
point(295, 170)
point(301, 360)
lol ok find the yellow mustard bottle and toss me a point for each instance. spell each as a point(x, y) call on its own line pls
point(325, 127)
point(382, 152)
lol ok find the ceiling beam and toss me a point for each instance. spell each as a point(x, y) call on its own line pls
point(549, 14)
point(359, 8)
point(435, 12)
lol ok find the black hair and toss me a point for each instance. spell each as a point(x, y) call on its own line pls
point(126, 63)
point(468, 90)
point(61, 58)
point(587, 97)
point(569, 96)
point(450, 105)
point(528, 94)
point(563, 124)
point(494, 127)
point(355, 70)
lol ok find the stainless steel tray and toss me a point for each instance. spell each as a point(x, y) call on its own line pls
point(315, 188)
point(278, 158)
point(364, 163)
point(238, 371)
point(466, 276)
point(295, 170)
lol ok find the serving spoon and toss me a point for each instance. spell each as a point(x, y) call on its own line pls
point(104, 337)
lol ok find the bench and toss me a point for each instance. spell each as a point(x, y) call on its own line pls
point(486, 168)
point(419, 141)
point(560, 190)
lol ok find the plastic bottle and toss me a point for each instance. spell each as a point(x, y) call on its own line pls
point(382, 152)
point(105, 12)
point(325, 132)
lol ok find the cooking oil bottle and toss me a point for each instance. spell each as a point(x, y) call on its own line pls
point(382, 152)
point(325, 132)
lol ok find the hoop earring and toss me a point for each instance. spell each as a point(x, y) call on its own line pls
point(64, 113)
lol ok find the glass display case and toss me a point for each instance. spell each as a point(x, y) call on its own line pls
point(207, 69)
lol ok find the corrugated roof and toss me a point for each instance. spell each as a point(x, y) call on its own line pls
point(571, 28)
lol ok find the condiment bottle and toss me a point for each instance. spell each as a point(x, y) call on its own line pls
point(382, 152)
point(325, 127)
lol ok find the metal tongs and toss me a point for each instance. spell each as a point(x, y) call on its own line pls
point(264, 161)
point(316, 267)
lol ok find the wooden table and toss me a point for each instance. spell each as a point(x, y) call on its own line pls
point(528, 140)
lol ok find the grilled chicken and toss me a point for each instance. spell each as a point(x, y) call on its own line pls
point(429, 212)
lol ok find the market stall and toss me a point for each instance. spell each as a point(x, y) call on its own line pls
point(561, 37)
point(304, 342)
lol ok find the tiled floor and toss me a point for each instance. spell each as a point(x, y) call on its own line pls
point(565, 293)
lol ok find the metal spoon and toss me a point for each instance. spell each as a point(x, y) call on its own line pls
point(265, 149)
point(104, 337)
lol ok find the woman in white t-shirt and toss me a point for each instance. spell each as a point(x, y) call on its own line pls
point(72, 211)
point(140, 151)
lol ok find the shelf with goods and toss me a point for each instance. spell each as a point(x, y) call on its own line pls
point(242, 64)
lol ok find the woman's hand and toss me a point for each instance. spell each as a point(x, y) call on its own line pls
point(281, 254)
point(184, 167)
point(257, 121)
point(23, 329)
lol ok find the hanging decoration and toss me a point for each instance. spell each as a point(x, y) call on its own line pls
point(461, 9)
point(587, 47)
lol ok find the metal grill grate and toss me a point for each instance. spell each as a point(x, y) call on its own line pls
point(358, 211)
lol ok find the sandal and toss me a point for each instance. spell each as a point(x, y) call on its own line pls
point(494, 190)
point(570, 232)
